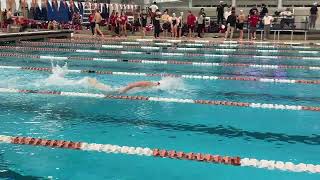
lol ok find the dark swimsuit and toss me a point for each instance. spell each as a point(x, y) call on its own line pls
point(174, 22)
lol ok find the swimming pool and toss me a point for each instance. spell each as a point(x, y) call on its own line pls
point(240, 102)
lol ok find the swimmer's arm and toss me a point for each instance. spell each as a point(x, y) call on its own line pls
point(127, 88)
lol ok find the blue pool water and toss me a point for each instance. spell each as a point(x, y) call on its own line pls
point(255, 133)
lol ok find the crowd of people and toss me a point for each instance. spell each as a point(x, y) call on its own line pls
point(166, 23)
point(194, 25)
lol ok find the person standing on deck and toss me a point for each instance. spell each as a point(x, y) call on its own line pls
point(220, 12)
point(92, 23)
point(191, 22)
point(253, 21)
point(241, 19)
point(267, 20)
point(231, 25)
point(153, 8)
point(313, 15)
point(201, 22)
point(97, 20)
point(156, 24)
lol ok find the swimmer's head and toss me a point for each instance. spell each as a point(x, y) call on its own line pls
point(158, 83)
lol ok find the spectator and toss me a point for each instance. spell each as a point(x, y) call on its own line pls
point(313, 15)
point(253, 11)
point(92, 23)
point(181, 23)
point(136, 23)
point(143, 22)
point(231, 24)
point(97, 20)
point(123, 23)
point(220, 12)
point(165, 22)
point(112, 20)
point(9, 20)
point(156, 24)
point(253, 21)
point(286, 13)
point(174, 22)
point(191, 22)
point(287, 19)
point(117, 24)
point(227, 13)
point(153, 8)
point(201, 21)
point(264, 10)
point(267, 24)
point(241, 19)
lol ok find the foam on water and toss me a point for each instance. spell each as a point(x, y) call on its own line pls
point(57, 78)
point(171, 84)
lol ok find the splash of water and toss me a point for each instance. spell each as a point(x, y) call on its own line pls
point(171, 84)
point(58, 78)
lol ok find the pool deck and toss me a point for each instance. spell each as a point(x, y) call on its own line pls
point(12, 37)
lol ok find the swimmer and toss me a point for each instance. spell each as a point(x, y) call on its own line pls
point(140, 84)
point(98, 85)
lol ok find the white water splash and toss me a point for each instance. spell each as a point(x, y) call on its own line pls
point(171, 84)
point(57, 78)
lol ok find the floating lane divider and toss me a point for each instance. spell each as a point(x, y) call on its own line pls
point(17, 48)
point(162, 153)
point(172, 62)
point(112, 46)
point(193, 41)
point(197, 43)
point(200, 77)
point(168, 100)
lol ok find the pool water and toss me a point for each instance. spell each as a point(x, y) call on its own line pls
point(270, 134)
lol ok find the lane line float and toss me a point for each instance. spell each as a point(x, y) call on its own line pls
point(202, 77)
point(111, 46)
point(168, 100)
point(172, 62)
point(195, 41)
point(17, 48)
point(162, 153)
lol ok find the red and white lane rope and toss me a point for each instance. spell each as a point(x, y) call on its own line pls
point(162, 62)
point(168, 100)
point(152, 48)
point(163, 153)
point(200, 77)
point(193, 41)
point(196, 43)
point(168, 54)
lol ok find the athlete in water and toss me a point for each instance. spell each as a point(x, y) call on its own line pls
point(141, 84)
point(98, 85)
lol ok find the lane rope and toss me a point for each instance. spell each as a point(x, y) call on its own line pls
point(157, 54)
point(210, 42)
point(162, 62)
point(200, 77)
point(162, 153)
point(112, 46)
point(168, 100)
